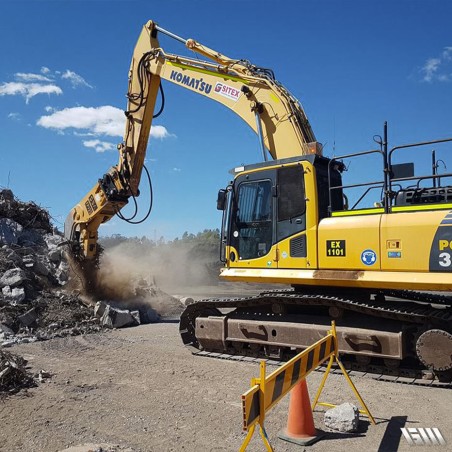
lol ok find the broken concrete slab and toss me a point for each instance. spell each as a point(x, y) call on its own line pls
point(13, 373)
point(30, 237)
point(10, 231)
point(41, 268)
point(136, 316)
point(99, 308)
point(53, 241)
point(28, 261)
point(118, 318)
point(122, 317)
point(54, 255)
point(13, 278)
point(13, 295)
point(14, 258)
point(342, 418)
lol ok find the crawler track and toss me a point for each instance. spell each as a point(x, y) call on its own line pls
point(415, 309)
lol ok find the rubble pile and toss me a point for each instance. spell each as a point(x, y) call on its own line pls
point(13, 373)
point(33, 270)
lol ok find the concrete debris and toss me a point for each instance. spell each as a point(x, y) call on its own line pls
point(33, 272)
point(342, 418)
point(28, 215)
point(114, 317)
point(34, 304)
point(54, 256)
point(13, 373)
point(43, 375)
point(10, 231)
point(13, 278)
point(99, 308)
point(13, 296)
point(117, 318)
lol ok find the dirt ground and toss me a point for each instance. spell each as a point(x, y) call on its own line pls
point(139, 389)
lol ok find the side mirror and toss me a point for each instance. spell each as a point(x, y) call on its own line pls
point(221, 199)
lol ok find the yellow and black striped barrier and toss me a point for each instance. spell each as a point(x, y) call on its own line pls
point(267, 391)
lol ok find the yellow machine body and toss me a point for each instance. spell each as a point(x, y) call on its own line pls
point(409, 247)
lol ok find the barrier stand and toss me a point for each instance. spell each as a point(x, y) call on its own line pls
point(267, 391)
point(335, 358)
point(260, 383)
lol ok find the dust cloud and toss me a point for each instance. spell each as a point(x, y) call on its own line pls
point(131, 275)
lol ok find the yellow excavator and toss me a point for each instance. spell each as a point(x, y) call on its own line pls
point(383, 271)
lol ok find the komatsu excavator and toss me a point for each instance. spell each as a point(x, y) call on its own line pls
point(377, 271)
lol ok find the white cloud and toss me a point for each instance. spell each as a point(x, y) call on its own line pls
point(28, 90)
point(30, 84)
point(160, 132)
point(84, 134)
point(105, 120)
point(30, 77)
point(176, 170)
point(438, 68)
point(15, 116)
point(447, 53)
point(75, 79)
point(430, 68)
point(99, 146)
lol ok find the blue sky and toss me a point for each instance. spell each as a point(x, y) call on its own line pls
point(63, 80)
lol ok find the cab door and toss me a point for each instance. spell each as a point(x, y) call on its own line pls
point(291, 236)
point(252, 234)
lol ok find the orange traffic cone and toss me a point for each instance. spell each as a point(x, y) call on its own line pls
point(300, 424)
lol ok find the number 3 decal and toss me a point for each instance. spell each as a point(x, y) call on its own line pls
point(445, 260)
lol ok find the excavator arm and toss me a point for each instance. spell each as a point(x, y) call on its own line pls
point(251, 92)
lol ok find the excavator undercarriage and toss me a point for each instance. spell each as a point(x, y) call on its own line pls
point(399, 334)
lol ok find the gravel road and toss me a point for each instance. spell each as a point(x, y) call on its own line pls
point(139, 389)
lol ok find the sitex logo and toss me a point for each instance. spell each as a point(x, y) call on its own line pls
point(227, 91)
point(423, 436)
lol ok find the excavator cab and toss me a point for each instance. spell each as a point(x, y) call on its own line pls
point(271, 209)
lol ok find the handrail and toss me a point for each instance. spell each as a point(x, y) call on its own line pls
point(412, 145)
point(388, 181)
point(336, 160)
